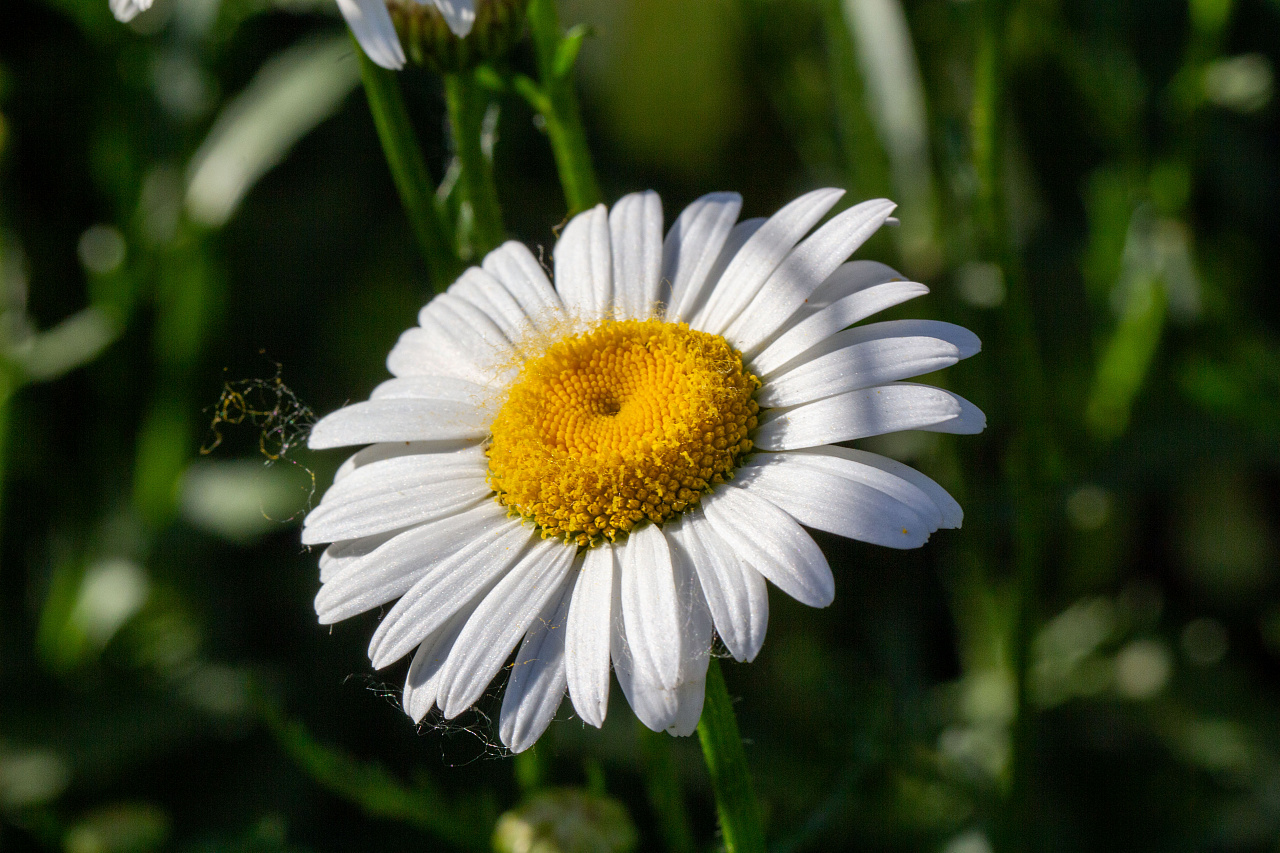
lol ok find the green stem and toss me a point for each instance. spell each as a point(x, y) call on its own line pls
point(530, 772)
point(557, 101)
point(727, 763)
point(408, 169)
point(466, 102)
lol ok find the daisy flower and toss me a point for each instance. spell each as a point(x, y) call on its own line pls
point(370, 21)
point(127, 10)
point(608, 470)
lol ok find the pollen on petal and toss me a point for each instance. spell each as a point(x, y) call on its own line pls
point(632, 420)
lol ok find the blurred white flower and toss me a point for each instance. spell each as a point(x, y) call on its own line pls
point(613, 467)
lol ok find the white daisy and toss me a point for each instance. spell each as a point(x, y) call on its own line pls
point(612, 468)
point(127, 10)
point(371, 23)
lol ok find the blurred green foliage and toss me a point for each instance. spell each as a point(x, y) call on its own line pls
point(190, 200)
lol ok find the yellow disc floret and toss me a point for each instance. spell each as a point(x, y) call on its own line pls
point(631, 420)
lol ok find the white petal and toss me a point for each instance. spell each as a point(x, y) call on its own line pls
point(846, 499)
point(695, 620)
point(804, 270)
point(773, 542)
point(739, 236)
point(394, 568)
point(677, 709)
point(760, 256)
point(868, 355)
point(395, 493)
point(695, 641)
point(520, 273)
point(439, 388)
point(339, 555)
point(588, 634)
point(734, 591)
point(824, 323)
point(371, 23)
point(689, 701)
point(498, 623)
point(584, 265)
point(460, 15)
point(398, 419)
point(949, 511)
point(635, 238)
point(851, 277)
point(868, 412)
point(651, 610)
point(486, 293)
point(448, 583)
point(422, 684)
point(536, 687)
point(654, 705)
point(693, 246)
point(390, 450)
point(420, 352)
point(466, 329)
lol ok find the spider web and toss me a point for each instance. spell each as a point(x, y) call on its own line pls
point(269, 406)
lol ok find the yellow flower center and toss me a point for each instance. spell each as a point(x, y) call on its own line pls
point(631, 420)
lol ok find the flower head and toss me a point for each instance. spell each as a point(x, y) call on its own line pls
point(608, 470)
point(371, 22)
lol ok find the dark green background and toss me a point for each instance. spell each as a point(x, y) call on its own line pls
point(1142, 189)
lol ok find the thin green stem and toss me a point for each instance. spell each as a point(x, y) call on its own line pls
point(727, 763)
point(408, 169)
point(557, 102)
point(467, 103)
point(530, 770)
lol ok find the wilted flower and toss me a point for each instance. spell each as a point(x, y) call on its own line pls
point(610, 468)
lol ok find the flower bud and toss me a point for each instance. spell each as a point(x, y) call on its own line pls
point(427, 39)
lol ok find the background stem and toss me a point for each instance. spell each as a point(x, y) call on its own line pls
point(559, 108)
point(466, 102)
point(408, 169)
point(727, 763)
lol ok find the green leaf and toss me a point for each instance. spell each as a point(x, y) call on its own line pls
point(292, 94)
point(567, 51)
